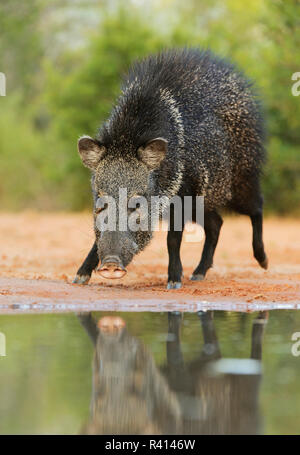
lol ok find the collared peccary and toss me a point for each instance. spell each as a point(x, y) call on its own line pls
point(217, 396)
point(199, 395)
point(129, 395)
point(187, 123)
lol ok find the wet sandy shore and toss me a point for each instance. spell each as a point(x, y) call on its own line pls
point(40, 254)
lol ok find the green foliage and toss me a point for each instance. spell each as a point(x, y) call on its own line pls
point(20, 44)
point(81, 99)
point(33, 164)
point(281, 183)
point(55, 92)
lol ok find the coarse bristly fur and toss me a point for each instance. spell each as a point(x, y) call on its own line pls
point(211, 119)
point(206, 110)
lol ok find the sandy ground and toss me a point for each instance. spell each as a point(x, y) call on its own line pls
point(40, 254)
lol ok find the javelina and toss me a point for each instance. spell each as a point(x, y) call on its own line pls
point(186, 123)
point(202, 395)
point(130, 395)
point(216, 397)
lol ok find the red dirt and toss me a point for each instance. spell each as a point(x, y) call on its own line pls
point(47, 249)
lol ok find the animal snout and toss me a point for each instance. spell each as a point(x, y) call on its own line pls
point(111, 324)
point(112, 268)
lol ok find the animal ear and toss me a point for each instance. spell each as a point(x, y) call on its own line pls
point(153, 153)
point(90, 151)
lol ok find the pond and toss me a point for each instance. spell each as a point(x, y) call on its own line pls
point(204, 372)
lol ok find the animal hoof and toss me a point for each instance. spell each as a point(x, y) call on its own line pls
point(197, 277)
point(81, 279)
point(174, 285)
point(264, 264)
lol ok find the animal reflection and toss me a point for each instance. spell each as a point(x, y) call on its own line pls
point(215, 396)
point(207, 395)
point(130, 395)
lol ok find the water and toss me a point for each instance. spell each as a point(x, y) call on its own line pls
point(209, 372)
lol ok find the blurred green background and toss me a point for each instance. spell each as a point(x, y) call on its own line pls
point(64, 60)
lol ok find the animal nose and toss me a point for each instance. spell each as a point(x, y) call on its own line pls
point(112, 268)
point(111, 324)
